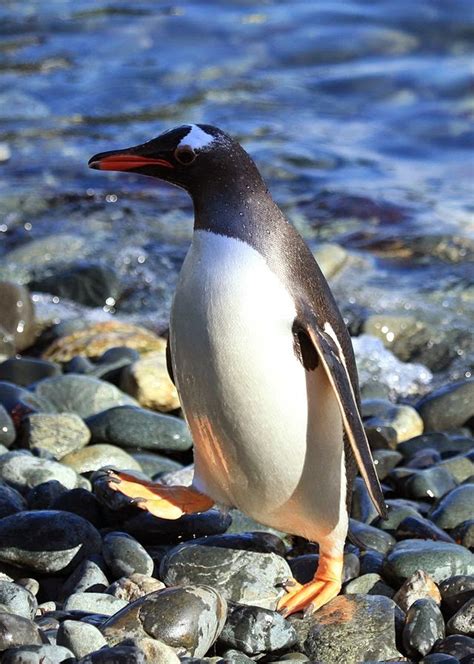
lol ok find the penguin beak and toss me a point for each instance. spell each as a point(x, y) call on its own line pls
point(125, 160)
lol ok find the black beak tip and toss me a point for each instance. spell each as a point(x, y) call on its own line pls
point(94, 162)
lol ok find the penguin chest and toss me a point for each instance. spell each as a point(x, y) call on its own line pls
point(243, 390)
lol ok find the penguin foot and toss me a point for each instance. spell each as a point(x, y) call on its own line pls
point(313, 595)
point(166, 502)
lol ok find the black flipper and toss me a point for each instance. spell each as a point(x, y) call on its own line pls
point(332, 358)
point(169, 363)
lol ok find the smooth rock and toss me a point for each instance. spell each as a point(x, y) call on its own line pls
point(24, 371)
point(351, 629)
point(464, 534)
point(368, 584)
point(140, 428)
point(448, 407)
point(150, 529)
point(121, 654)
point(23, 471)
point(89, 576)
point(454, 508)
point(372, 538)
point(439, 658)
point(19, 402)
point(423, 627)
point(17, 600)
point(79, 637)
point(402, 418)
point(437, 441)
point(255, 631)
point(7, 429)
point(154, 465)
point(416, 527)
point(304, 567)
point(429, 483)
point(457, 645)
point(44, 654)
point(371, 562)
point(440, 560)
point(135, 586)
point(81, 502)
point(59, 433)
point(189, 619)
point(455, 592)
point(109, 366)
point(11, 501)
point(46, 541)
point(460, 467)
point(261, 542)
point(98, 456)
point(397, 512)
point(385, 461)
point(148, 381)
point(97, 338)
point(125, 556)
point(106, 605)
point(404, 335)
point(42, 496)
point(362, 508)
point(83, 395)
point(17, 631)
point(17, 314)
point(463, 621)
point(241, 576)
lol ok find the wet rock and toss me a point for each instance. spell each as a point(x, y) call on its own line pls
point(398, 510)
point(440, 560)
point(44, 654)
point(82, 395)
point(449, 407)
point(7, 430)
point(121, 654)
point(95, 339)
point(137, 427)
point(89, 576)
point(17, 631)
point(439, 442)
point(58, 433)
point(42, 496)
point(261, 542)
point(458, 646)
point(94, 457)
point(416, 527)
point(109, 366)
point(79, 637)
point(368, 584)
point(148, 529)
point(91, 284)
point(23, 471)
point(135, 586)
point(17, 600)
point(372, 538)
point(189, 619)
point(254, 631)
point(17, 316)
point(464, 534)
point(460, 467)
point(125, 556)
point(24, 371)
point(304, 567)
point(351, 629)
point(429, 483)
point(46, 541)
point(148, 381)
point(454, 508)
point(463, 621)
point(371, 562)
point(424, 459)
point(455, 592)
point(11, 501)
point(90, 602)
point(241, 576)
point(385, 461)
point(362, 508)
point(423, 627)
point(402, 418)
point(81, 502)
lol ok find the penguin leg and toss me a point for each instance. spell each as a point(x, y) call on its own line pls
point(166, 502)
point(324, 587)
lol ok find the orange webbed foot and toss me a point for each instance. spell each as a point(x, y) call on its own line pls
point(313, 595)
point(166, 502)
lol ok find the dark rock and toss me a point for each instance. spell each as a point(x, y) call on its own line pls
point(59, 433)
point(88, 283)
point(385, 460)
point(454, 508)
point(17, 315)
point(380, 436)
point(90, 602)
point(125, 556)
point(44, 654)
point(241, 576)
point(42, 496)
point(254, 631)
point(461, 467)
point(368, 584)
point(440, 560)
point(80, 502)
point(46, 541)
point(423, 627)
point(19, 402)
point(416, 527)
point(17, 631)
point(126, 426)
point(17, 600)
point(189, 619)
point(455, 592)
point(439, 658)
point(87, 577)
point(363, 508)
point(303, 568)
point(79, 637)
point(230, 656)
point(398, 510)
point(7, 430)
point(117, 655)
point(424, 459)
point(23, 471)
point(260, 542)
point(448, 407)
point(351, 629)
point(463, 621)
point(83, 395)
point(11, 501)
point(31, 585)
point(464, 534)
point(154, 465)
point(371, 562)
point(372, 538)
point(458, 646)
point(24, 371)
point(429, 483)
point(440, 442)
point(147, 528)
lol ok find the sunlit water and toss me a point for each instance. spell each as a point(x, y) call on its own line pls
point(359, 114)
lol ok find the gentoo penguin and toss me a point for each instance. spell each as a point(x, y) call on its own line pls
point(261, 358)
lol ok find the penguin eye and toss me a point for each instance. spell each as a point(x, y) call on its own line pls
point(185, 155)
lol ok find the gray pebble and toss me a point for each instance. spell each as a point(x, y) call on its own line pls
point(79, 637)
point(58, 433)
point(416, 527)
point(24, 471)
point(17, 600)
point(89, 576)
point(17, 631)
point(7, 429)
point(372, 538)
point(448, 407)
point(133, 587)
point(93, 457)
point(119, 655)
point(429, 483)
point(463, 621)
point(455, 592)
point(44, 654)
point(455, 507)
point(440, 442)
point(424, 626)
point(124, 555)
point(91, 602)
point(368, 584)
point(461, 467)
point(385, 461)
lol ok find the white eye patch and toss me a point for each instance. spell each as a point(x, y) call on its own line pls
point(196, 138)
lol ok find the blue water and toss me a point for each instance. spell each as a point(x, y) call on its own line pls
point(359, 114)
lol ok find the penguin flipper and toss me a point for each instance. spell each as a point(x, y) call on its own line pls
point(169, 362)
point(332, 357)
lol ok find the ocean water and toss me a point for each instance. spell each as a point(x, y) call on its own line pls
point(358, 113)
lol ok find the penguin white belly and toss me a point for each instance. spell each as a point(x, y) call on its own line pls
point(268, 435)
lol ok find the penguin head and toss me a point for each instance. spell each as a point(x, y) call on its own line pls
point(191, 157)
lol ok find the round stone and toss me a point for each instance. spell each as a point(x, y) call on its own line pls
point(372, 538)
point(17, 631)
point(418, 586)
point(149, 529)
point(125, 556)
point(416, 527)
point(7, 429)
point(368, 584)
point(455, 592)
point(402, 418)
point(455, 507)
point(94, 457)
point(81, 502)
point(423, 627)
point(58, 433)
point(79, 637)
point(23, 471)
point(44, 654)
point(17, 600)
point(448, 407)
point(87, 577)
point(439, 442)
point(457, 645)
point(135, 586)
point(463, 621)
point(11, 501)
point(46, 541)
point(92, 602)
point(148, 381)
point(429, 483)
point(24, 371)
